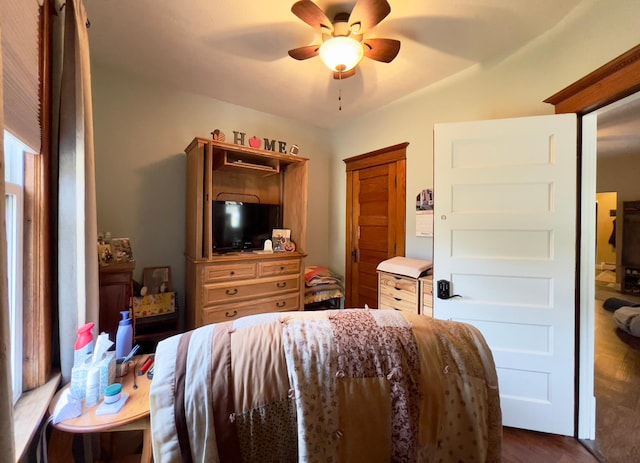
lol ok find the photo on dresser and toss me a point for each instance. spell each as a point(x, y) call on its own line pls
point(121, 249)
point(281, 239)
point(157, 279)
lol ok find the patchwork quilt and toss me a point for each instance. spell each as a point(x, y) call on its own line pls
point(353, 385)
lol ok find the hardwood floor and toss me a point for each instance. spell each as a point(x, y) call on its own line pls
point(519, 446)
point(617, 380)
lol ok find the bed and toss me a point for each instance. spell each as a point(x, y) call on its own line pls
point(327, 386)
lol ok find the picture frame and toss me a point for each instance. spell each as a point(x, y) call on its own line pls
point(157, 279)
point(281, 239)
point(278, 233)
point(121, 250)
point(105, 255)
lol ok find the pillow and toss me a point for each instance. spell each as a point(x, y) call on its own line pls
point(613, 303)
point(628, 320)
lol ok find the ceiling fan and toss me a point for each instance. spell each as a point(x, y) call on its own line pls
point(343, 44)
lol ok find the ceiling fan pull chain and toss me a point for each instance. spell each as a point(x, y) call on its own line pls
point(340, 91)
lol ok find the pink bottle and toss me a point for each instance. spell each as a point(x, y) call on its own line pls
point(84, 344)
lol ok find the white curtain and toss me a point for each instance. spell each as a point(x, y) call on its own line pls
point(78, 297)
point(6, 397)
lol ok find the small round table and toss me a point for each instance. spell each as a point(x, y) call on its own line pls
point(133, 416)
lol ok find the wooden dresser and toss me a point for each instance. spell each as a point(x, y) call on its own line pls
point(399, 292)
point(116, 287)
point(223, 287)
point(247, 286)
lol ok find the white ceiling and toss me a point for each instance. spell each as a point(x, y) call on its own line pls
point(236, 51)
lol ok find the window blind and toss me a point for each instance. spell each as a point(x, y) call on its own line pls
point(19, 23)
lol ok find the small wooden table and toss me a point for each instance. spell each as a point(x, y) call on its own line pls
point(133, 416)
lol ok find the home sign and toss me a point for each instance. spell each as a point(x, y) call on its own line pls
point(240, 138)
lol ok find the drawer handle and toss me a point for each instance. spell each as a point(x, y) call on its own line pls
point(280, 304)
point(397, 299)
point(281, 284)
point(232, 292)
point(232, 272)
point(282, 267)
point(231, 314)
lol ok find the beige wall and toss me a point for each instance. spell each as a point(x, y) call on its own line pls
point(619, 174)
point(511, 86)
point(141, 131)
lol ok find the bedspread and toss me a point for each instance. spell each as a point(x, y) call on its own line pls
point(353, 385)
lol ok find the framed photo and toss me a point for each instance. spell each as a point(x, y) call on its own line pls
point(281, 233)
point(157, 279)
point(105, 255)
point(281, 239)
point(121, 249)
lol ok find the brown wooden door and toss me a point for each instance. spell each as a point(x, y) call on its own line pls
point(376, 204)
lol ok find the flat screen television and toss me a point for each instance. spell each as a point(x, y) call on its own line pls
point(239, 226)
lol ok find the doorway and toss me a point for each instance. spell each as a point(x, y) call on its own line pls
point(617, 353)
point(610, 83)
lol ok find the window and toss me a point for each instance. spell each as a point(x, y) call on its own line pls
point(14, 175)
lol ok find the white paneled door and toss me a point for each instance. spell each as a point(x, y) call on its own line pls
point(505, 239)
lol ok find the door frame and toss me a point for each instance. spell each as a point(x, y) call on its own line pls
point(611, 82)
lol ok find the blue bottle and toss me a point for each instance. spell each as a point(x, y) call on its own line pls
point(124, 335)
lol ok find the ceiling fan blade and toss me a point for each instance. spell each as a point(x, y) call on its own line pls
point(366, 14)
point(310, 13)
point(384, 50)
point(345, 75)
point(304, 52)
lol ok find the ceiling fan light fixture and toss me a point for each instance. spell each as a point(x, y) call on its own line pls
point(341, 53)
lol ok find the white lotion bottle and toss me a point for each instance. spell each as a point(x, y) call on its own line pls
point(92, 393)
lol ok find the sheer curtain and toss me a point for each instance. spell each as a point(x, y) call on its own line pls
point(6, 399)
point(77, 257)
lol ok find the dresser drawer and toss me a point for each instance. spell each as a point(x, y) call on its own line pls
point(397, 282)
point(225, 292)
point(399, 294)
point(426, 294)
point(285, 303)
point(229, 272)
point(389, 302)
point(399, 288)
point(278, 267)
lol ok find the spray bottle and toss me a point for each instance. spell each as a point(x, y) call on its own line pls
point(84, 344)
point(124, 335)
